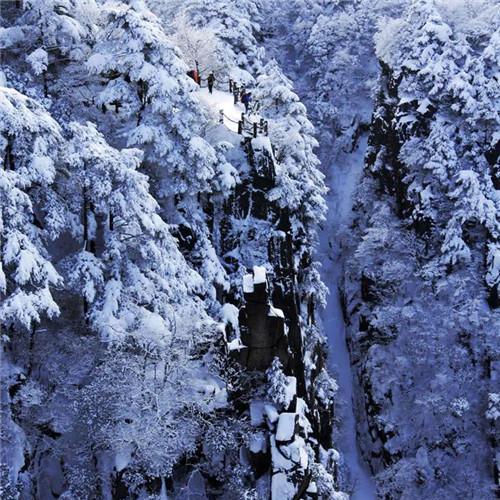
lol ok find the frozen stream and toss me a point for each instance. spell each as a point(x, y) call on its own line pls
point(342, 182)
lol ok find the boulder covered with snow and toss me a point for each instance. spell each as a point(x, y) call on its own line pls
point(282, 488)
point(262, 326)
point(255, 284)
point(287, 426)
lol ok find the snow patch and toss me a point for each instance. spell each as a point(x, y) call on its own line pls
point(286, 427)
point(271, 413)
point(258, 443)
point(123, 457)
point(38, 60)
point(257, 412)
point(424, 106)
point(259, 275)
point(281, 487)
point(236, 345)
point(280, 462)
point(230, 315)
point(275, 312)
point(290, 390)
point(248, 283)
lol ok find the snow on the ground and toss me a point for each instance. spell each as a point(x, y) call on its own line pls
point(221, 100)
point(248, 283)
point(342, 179)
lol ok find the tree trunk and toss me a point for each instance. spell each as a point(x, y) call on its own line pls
point(9, 157)
point(45, 84)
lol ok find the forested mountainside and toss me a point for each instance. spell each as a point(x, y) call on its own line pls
point(422, 287)
point(163, 249)
point(411, 90)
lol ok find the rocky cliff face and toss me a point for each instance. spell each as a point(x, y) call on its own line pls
point(275, 335)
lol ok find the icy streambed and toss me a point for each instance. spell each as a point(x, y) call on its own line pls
point(342, 181)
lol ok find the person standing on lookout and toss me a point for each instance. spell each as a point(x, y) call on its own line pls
point(210, 82)
point(197, 73)
point(246, 99)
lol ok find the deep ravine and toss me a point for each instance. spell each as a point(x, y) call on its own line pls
point(341, 180)
point(342, 173)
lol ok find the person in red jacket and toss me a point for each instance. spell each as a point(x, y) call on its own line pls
point(196, 77)
point(193, 73)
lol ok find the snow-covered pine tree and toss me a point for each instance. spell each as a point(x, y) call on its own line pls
point(277, 383)
point(49, 34)
point(436, 67)
point(31, 210)
point(300, 187)
point(145, 80)
point(133, 275)
point(435, 156)
point(471, 206)
point(300, 184)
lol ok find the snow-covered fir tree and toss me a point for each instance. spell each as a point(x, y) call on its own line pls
point(300, 184)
